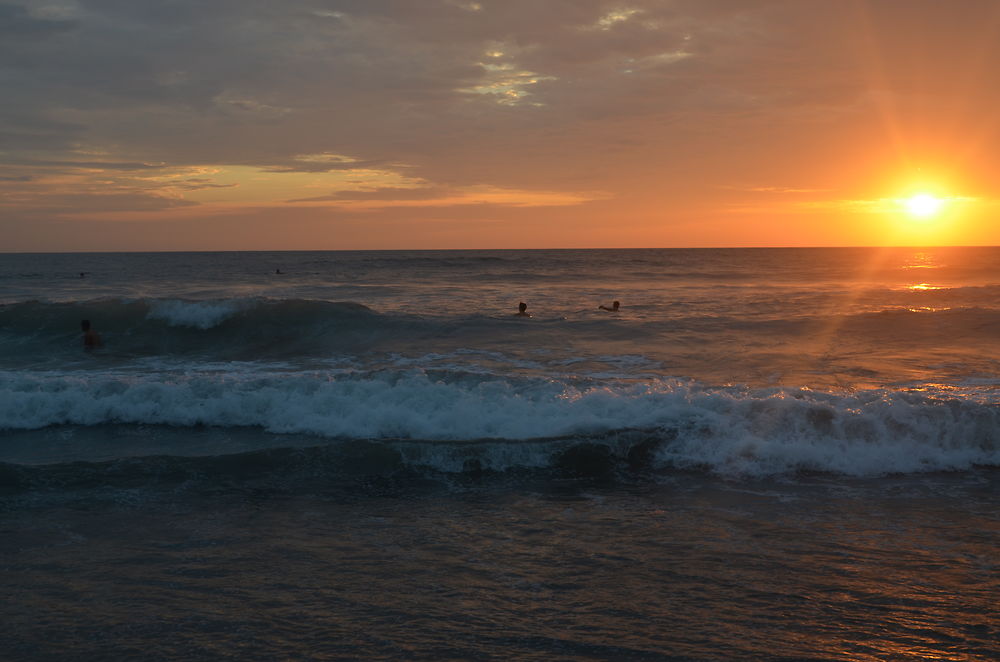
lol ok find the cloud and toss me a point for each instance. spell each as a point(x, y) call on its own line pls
point(885, 205)
point(439, 197)
point(254, 83)
point(323, 162)
point(23, 128)
point(777, 189)
point(658, 105)
point(16, 22)
point(85, 165)
point(70, 204)
point(200, 184)
point(506, 84)
point(381, 194)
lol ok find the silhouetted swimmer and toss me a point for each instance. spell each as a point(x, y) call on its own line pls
point(90, 338)
point(522, 310)
point(83, 274)
point(279, 272)
point(613, 308)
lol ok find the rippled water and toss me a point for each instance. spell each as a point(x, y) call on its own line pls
point(777, 454)
point(682, 567)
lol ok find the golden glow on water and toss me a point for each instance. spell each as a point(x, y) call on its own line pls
point(922, 260)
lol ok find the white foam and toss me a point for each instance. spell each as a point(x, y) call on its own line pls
point(196, 314)
point(732, 431)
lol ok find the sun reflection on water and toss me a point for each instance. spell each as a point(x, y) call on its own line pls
point(922, 260)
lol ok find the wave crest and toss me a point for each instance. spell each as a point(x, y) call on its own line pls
point(197, 314)
point(227, 328)
point(732, 431)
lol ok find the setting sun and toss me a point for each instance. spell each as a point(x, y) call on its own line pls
point(923, 205)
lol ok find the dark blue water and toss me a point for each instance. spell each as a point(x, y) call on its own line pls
point(765, 454)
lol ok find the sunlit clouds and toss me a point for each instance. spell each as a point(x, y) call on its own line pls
point(502, 124)
point(614, 17)
point(503, 81)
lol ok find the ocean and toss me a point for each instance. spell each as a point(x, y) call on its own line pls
point(763, 454)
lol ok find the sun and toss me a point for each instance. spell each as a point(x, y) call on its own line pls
point(923, 205)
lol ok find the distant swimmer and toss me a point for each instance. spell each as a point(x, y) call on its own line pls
point(83, 274)
point(613, 309)
point(522, 310)
point(90, 338)
point(279, 272)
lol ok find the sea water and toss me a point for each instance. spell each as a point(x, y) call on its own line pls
point(763, 454)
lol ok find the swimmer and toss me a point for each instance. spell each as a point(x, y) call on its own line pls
point(278, 271)
point(90, 338)
point(522, 310)
point(612, 309)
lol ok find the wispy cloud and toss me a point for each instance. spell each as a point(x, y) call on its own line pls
point(613, 18)
point(776, 189)
point(445, 197)
point(881, 205)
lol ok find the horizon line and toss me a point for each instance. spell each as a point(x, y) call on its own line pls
point(428, 250)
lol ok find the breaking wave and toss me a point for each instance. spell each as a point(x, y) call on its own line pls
point(507, 422)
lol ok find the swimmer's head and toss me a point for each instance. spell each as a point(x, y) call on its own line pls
point(615, 304)
point(85, 325)
point(522, 306)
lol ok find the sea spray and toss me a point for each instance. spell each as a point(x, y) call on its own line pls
point(730, 430)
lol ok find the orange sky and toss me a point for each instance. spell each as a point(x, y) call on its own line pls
point(325, 124)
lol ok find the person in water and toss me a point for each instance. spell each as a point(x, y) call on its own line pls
point(522, 310)
point(613, 308)
point(90, 338)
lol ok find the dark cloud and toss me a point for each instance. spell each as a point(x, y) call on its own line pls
point(24, 128)
point(95, 165)
point(17, 23)
point(199, 184)
point(255, 83)
point(63, 204)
